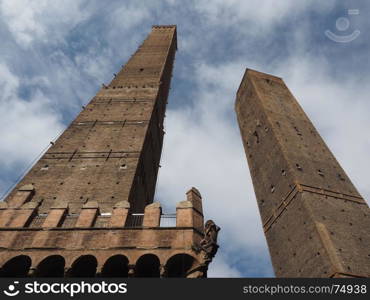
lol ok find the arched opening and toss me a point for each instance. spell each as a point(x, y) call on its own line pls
point(115, 266)
point(18, 266)
point(84, 266)
point(147, 266)
point(51, 266)
point(179, 265)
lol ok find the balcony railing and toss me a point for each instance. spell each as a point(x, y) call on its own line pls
point(168, 220)
point(134, 220)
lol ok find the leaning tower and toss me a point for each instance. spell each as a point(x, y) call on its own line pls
point(86, 207)
point(315, 221)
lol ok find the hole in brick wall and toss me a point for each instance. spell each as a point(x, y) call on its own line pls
point(256, 136)
point(266, 129)
point(341, 177)
point(81, 197)
point(54, 197)
point(350, 224)
point(278, 124)
point(89, 183)
point(117, 182)
point(340, 249)
point(283, 172)
point(123, 166)
point(61, 183)
point(297, 131)
point(298, 167)
point(272, 188)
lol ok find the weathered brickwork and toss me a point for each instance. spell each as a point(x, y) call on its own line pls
point(85, 208)
point(315, 221)
point(111, 151)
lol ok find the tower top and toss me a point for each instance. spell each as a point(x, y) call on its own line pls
point(250, 72)
point(166, 27)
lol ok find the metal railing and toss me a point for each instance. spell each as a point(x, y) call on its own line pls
point(37, 221)
point(168, 220)
point(134, 220)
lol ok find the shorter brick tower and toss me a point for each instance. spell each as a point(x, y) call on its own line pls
point(315, 221)
point(86, 207)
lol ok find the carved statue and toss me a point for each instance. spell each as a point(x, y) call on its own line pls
point(209, 242)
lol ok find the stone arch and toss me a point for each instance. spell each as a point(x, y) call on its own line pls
point(51, 266)
point(84, 266)
point(147, 265)
point(115, 266)
point(17, 266)
point(179, 265)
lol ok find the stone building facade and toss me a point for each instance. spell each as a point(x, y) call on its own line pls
point(86, 207)
point(315, 221)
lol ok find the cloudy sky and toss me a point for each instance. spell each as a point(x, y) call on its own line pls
point(54, 55)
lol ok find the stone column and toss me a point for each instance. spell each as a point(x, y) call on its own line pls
point(88, 214)
point(119, 215)
point(56, 215)
point(189, 213)
point(152, 215)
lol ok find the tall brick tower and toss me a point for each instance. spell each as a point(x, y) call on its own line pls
point(85, 208)
point(316, 223)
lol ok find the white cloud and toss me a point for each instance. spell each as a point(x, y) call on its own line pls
point(221, 268)
point(261, 14)
point(42, 20)
point(28, 126)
